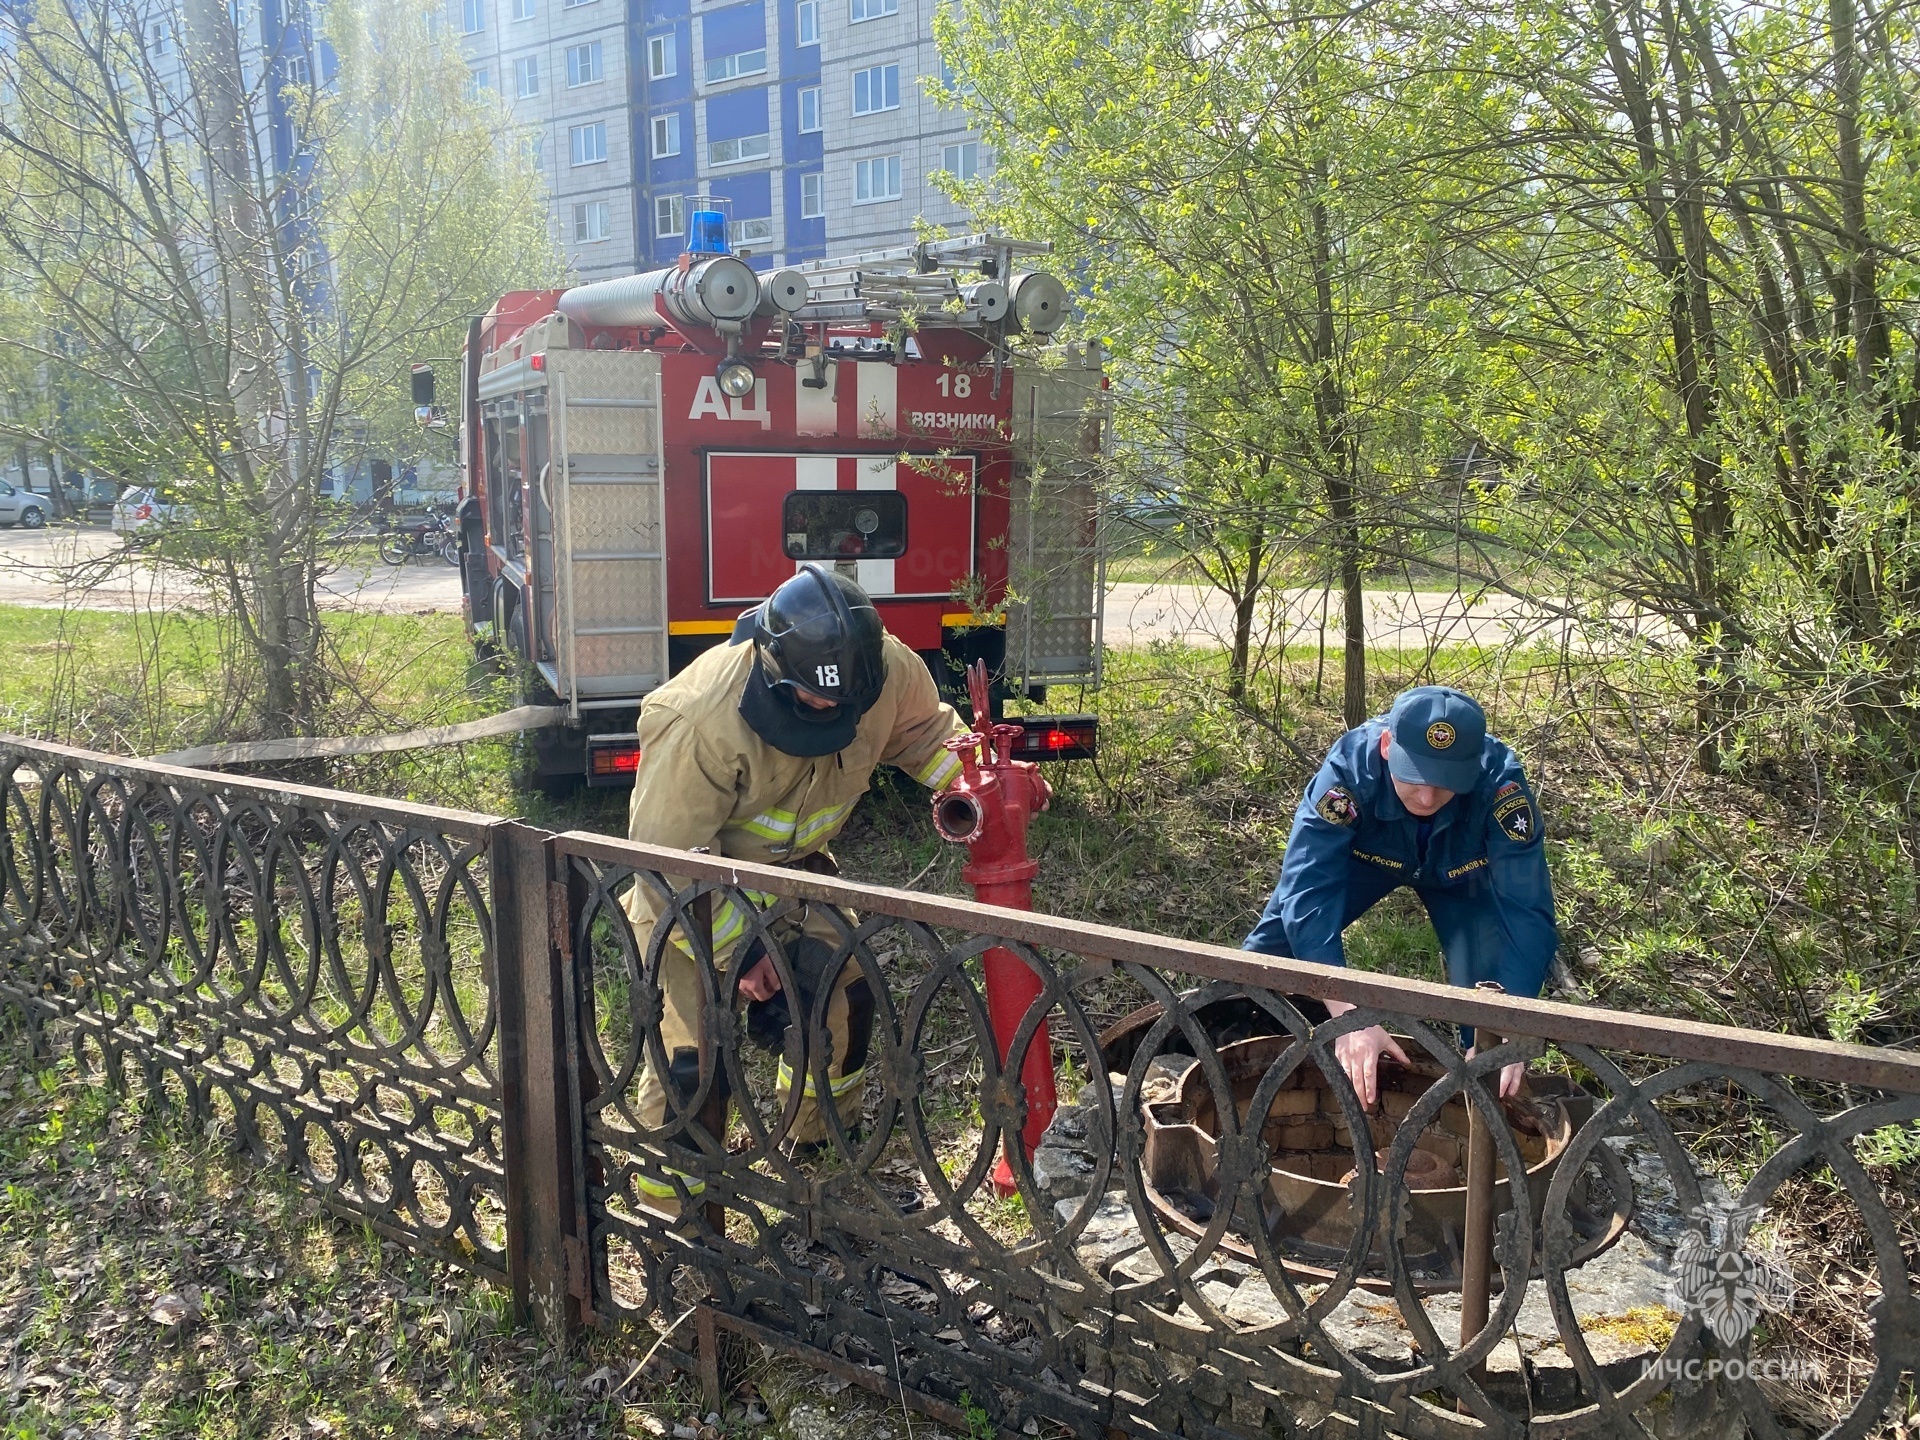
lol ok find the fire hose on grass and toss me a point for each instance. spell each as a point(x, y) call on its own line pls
point(988, 809)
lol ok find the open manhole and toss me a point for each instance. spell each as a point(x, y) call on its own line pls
point(1312, 1212)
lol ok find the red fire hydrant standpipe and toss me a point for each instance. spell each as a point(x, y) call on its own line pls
point(988, 809)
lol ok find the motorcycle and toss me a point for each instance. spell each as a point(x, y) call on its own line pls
point(433, 536)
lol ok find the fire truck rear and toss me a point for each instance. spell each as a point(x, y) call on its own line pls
point(645, 458)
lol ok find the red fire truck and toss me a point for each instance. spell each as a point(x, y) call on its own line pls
point(645, 458)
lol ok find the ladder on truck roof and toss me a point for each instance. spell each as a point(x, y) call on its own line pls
point(968, 281)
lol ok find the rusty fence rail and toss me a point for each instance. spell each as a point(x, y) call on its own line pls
point(453, 1027)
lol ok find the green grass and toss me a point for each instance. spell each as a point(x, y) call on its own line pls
point(292, 1322)
point(1780, 895)
point(1150, 569)
point(140, 684)
point(1664, 877)
point(1157, 560)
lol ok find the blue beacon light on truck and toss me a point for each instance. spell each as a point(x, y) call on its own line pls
point(707, 233)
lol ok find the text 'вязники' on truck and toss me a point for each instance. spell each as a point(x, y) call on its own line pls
point(645, 458)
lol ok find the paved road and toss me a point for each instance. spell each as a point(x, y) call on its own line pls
point(37, 568)
point(62, 567)
point(1395, 620)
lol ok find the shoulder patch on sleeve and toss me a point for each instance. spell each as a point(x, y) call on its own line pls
point(1337, 806)
point(1515, 815)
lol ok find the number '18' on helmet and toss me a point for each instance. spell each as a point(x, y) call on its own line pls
point(820, 633)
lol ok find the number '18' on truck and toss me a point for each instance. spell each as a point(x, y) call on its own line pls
point(645, 458)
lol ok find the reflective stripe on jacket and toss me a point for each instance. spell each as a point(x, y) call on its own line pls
point(706, 779)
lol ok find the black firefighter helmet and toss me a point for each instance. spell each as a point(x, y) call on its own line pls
point(820, 633)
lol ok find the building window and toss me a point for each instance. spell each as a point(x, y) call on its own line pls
point(530, 148)
point(961, 161)
point(298, 208)
point(873, 9)
point(666, 136)
point(526, 76)
point(806, 22)
point(662, 58)
point(589, 222)
point(583, 64)
point(479, 78)
point(876, 179)
point(299, 72)
point(523, 9)
point(735, 152)
point(588, 142)
point(813, 196)
point(876, 89)
point(158, 41)
point(570, 4)
point(669, 217)
point(752, 232)
point(810, 110)
point(731, 67)
point(473, 16)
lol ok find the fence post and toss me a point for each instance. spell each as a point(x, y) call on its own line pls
point(537, 1113)
point(1476, 1244)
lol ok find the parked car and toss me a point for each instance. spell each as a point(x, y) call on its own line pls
point(22, 507)
point(80, 498)
point(102, 496)
point(139, 508)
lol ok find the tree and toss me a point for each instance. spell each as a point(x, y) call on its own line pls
point(1704, 260)
point(238, 261)
point(1232, 187)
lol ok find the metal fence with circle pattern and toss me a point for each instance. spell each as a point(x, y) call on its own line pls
point(440, 1022)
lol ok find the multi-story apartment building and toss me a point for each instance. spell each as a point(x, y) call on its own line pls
point(562, 66)
point(884, 133)
point(812, 119)
point(281, 51)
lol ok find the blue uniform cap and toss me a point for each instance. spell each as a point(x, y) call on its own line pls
point(1438, 734)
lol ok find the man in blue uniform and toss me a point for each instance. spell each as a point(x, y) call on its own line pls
point(1421, 797)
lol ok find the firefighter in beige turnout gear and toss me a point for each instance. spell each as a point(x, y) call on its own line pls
point(758, 751)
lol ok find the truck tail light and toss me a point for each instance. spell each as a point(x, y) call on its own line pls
point(1057, 737)
point(612, 759)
